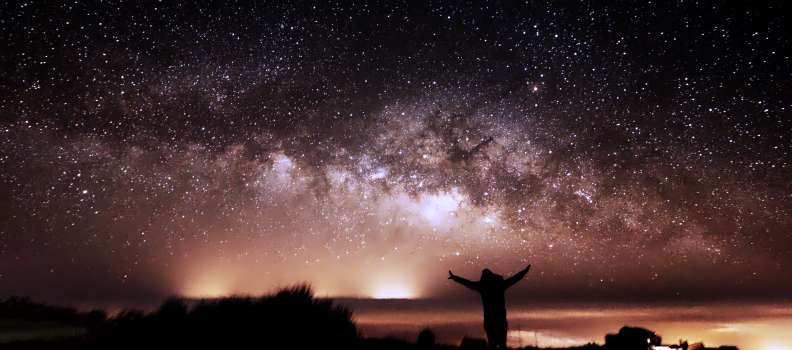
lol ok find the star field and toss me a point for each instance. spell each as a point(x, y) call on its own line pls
point(624, 150)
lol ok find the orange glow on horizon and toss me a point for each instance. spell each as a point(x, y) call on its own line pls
point(206, 288)
point(392, 291)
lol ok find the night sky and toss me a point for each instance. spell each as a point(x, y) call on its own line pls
point(626, 150)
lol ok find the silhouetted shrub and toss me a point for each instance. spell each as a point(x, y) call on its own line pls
point(426, 337)
point(290, 318)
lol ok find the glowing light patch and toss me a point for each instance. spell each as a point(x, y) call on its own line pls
point(522, 338)
point(727, 329)
point(206, 290)
point(489, 220)
point(438, 208)
point(392, 291)
point(282, 163)
point(379, 174)
point(777, 347)
point(207, 285)
point(282, 172)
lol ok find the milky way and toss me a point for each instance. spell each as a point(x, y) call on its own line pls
point(626, 152)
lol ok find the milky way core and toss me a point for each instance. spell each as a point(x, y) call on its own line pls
point(625, 152)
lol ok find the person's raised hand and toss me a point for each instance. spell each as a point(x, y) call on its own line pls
point(450, 275)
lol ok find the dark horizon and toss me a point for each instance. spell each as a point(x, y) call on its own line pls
point(746, 325)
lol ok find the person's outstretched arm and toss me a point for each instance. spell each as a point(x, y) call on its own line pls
point(517, 277)
point(465, 282)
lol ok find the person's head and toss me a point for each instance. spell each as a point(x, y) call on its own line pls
point(487, 275)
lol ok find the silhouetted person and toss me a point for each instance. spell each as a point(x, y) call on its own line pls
point(492, 288)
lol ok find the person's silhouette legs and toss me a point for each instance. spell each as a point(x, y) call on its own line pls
point(496, 333)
